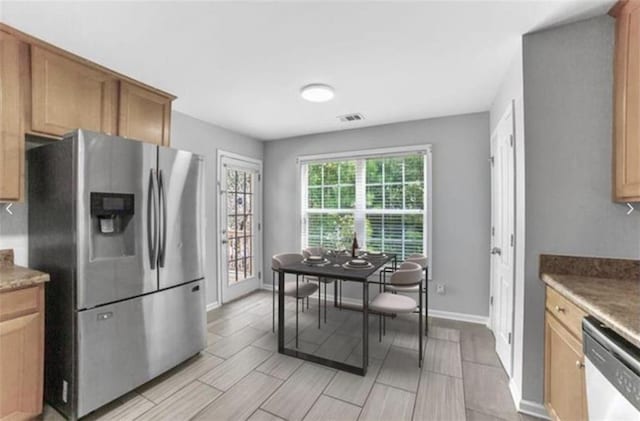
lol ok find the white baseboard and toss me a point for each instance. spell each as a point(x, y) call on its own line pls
point(462, 317)
point(527, 407)
point(212, 306)
point(534, 409)
point(516, 394)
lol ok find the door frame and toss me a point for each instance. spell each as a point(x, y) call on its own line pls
point(221, 155)
point(510, 110)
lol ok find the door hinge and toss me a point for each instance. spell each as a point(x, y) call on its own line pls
point(511, 140)
point(491, 301)
point(259, 275)
point(509, 338)
point(512, 240)
point(493, 231)
point(491, 160)
point(259, 177)
point(259, 226)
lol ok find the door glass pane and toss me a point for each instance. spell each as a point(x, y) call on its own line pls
point(240, 232)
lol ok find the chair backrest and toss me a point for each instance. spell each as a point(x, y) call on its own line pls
point(409, 273)
point(285, 259)
point(420, 259)
point(313, 251)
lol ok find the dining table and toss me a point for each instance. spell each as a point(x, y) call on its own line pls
point(336, 266)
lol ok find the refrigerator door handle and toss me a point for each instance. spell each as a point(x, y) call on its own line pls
point(152, 213)
point(163, 211)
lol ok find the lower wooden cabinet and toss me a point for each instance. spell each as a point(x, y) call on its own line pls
point(564, 374)
point(21, 352)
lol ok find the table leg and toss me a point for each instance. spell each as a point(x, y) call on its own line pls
point(365, 327)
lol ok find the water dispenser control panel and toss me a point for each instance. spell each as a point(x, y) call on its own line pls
point(110, 209)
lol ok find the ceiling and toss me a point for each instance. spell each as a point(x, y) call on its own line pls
point(240, 65)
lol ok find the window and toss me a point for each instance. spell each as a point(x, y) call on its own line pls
point(382, 197)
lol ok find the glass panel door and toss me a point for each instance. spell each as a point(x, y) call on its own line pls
point(240, 233)
point(239, 224)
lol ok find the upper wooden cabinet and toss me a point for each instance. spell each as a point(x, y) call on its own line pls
point(46, 91)
point(12, 63)
point(144, 115)
point(67, 95)
point(626, 162)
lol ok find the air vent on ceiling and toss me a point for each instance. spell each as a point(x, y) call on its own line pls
point(351, 117)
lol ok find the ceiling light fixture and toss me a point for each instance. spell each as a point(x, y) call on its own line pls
point(317, 92)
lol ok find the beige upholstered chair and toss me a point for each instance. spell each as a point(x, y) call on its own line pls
point(319, 251)
point(422, 260)
point(408, 275)
point(292, 288)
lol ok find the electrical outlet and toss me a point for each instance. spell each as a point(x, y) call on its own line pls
point(440, 289)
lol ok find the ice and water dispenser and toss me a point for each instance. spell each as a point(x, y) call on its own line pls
point(113, 225)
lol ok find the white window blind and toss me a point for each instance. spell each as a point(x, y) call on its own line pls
point(383, 198)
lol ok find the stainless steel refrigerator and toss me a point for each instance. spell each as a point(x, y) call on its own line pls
point(119, 226)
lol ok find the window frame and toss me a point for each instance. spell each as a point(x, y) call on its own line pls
point(426, 149)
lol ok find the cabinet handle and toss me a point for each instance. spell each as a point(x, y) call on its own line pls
point(559, 309)
point(579, 364)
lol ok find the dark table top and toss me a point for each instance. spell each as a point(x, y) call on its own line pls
point(334, 268)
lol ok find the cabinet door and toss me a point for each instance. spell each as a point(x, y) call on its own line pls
point(12, 65)
point(144, 115)
point(564, 382)
point(67, 94)
point(627, 103)
point(21, 365)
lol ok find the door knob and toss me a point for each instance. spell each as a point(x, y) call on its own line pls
point(496, 250)
point(224, 241)
point(579, 364)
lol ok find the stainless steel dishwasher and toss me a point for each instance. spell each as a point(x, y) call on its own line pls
point(612, 373)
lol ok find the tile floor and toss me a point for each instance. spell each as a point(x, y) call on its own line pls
point(240, 376)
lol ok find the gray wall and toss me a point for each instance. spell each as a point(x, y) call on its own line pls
point(14, 232)
point(461, 198)
point(205, 139)
point(568, 79)
point(511, 92)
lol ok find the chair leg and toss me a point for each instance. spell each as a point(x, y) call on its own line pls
point(426, 310)
point(273, 302)
point(420, 330)
point(380, 328)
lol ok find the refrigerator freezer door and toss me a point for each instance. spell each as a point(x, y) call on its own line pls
point(116, 263)
point(123, 345)
point(180, 181)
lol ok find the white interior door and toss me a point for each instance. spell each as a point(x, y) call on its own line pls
point(503, 237)
point(239, 225)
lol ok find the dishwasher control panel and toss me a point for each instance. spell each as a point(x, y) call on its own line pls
point(616, 359)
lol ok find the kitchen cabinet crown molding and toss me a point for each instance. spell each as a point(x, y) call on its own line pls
point(31, 40)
